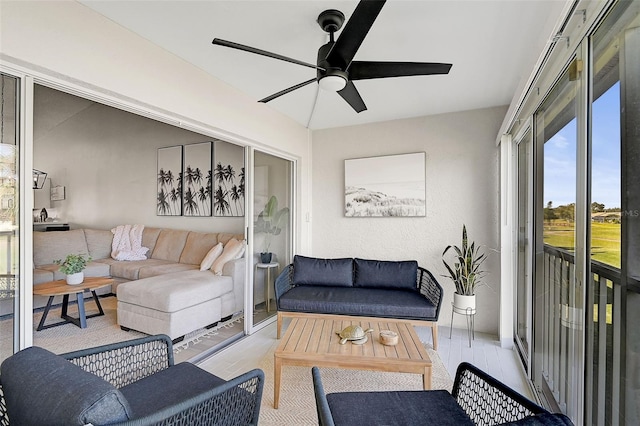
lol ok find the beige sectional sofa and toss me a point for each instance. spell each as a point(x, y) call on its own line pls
point(165, 293)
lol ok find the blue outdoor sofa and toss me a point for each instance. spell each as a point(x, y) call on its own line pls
point(359, 287)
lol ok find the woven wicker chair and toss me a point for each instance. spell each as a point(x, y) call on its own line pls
point(476, 399)
point(139, 375)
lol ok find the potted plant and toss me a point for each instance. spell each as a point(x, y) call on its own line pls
point(270, 221)
point(465, 272)
point(73, 266)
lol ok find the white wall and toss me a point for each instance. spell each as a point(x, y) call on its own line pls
point(69, 44)
point(462, 185)
point(107, 161)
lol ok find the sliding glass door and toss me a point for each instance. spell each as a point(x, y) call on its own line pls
point(272, 230)
point(523, 293)
point(9, 215)
point(586, 230)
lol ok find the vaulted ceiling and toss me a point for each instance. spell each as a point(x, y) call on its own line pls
point(493, 46)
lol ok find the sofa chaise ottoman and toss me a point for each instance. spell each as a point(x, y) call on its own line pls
point(359, 287)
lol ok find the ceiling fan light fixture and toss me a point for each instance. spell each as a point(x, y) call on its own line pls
point(333, 82)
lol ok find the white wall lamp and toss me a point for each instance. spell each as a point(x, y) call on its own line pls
point(39, 177)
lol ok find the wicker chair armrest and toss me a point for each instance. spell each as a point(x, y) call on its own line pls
point(283, 282)
point(125, 362)
point(234, 403)
point(4, 417)
point(488, 401)
point(431, 289)
point(322, 405)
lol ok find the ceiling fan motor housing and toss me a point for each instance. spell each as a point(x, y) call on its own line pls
point(333, 79)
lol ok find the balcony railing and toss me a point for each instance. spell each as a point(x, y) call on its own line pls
point(563, 331)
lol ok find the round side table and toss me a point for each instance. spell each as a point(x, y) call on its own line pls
point(267, 280)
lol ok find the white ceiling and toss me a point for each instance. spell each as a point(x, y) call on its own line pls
point(493, 46)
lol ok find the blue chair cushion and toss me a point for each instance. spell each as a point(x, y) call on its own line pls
point(386, 274)
point(42, 388)
point(436, 407)
point(370, 302)
point(315, 271)
point(168, 387)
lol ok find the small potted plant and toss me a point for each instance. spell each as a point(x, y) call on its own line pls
point(270, 222)
point(73, 266)
point(465, 272)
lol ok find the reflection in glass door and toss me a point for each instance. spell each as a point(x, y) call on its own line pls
point(9, 213)
point(272, 236)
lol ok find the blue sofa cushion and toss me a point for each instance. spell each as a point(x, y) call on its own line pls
point(385, 274)
point(168, 387)
point(42, 388)
point(315, 271)
point(436, 407)
point(371, 302)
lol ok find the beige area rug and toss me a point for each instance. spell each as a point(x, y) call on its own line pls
point(297, 402)
point(103, 330)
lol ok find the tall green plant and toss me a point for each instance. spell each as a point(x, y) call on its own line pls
point(465, 272)
point(271, 221)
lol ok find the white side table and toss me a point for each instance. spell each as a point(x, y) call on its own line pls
point(470, 313)
point(267, 280)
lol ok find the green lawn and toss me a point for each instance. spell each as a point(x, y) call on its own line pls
point(605, 239)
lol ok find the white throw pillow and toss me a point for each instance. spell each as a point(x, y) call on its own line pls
point(231, 250)
point(213, 254)
point(242, 250)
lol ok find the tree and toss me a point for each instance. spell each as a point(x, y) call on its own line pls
point(549, 212)
point(597, 207)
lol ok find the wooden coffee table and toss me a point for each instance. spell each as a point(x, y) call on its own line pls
point(312, 341)
point(61, 288)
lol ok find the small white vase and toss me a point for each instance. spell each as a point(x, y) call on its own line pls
point(75, 279)
point(464, 304)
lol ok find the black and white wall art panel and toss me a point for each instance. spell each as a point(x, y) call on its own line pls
point(386, 186)
point(169, 177)
point(229, 179)
point(196, 180)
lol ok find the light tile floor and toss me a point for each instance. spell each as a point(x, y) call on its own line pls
point(485, 353)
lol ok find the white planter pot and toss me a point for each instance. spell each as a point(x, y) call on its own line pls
point(464, 304)
point(75, 279)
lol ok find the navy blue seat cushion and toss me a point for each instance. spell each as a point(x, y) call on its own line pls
point(436, 407)
point(316, 271)
point(371, 302)
point(42, 388)
point(386, 274)
point(168, 387)
point(543, 419)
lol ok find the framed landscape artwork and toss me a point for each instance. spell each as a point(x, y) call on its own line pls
point(169, 177)
point(229, 180)
point(388, 186)
point(196, 180)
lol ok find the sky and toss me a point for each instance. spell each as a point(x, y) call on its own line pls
point(560, 156)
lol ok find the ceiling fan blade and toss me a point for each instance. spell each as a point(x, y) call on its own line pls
point(250, 49)
point(354, 33)
point(351, 95)
point(285, 91)
point(362, 70)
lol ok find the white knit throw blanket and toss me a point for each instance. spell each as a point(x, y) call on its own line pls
point(127, 243)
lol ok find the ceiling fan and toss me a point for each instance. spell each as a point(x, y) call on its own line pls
point(336, 69)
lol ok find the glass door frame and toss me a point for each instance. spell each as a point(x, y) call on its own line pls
point(524, 135)
point(250, 151)
point(23, 318)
